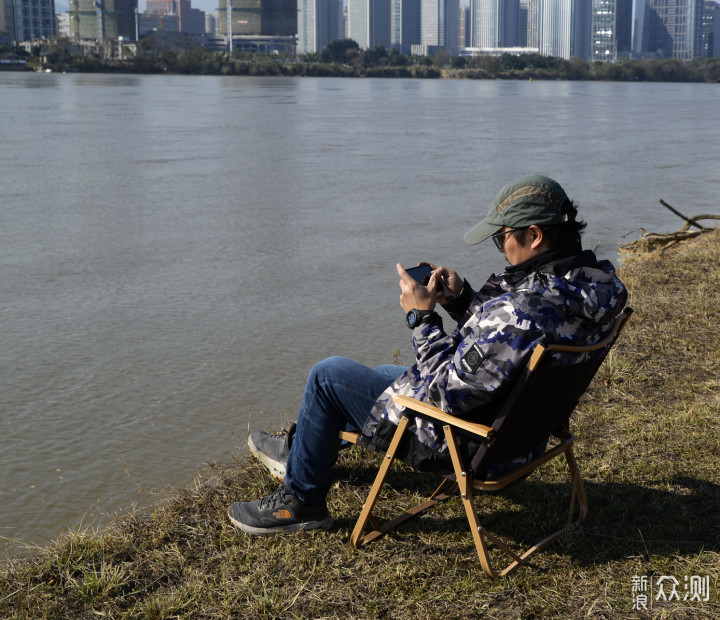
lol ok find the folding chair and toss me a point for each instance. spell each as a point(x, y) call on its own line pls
point(537, 407)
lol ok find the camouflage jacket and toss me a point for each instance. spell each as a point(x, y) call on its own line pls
point(571, 300)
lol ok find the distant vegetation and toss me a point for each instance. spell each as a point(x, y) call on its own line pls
point(343, 58)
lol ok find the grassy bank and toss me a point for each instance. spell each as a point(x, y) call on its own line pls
point(647, 432)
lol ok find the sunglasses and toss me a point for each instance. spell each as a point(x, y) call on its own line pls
point(499, 238)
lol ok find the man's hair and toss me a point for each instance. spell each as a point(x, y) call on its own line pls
point(563, 236)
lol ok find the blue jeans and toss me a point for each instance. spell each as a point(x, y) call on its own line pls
point(338, 396)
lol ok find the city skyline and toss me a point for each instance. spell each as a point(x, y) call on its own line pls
point(209, 6)
point(586, 29)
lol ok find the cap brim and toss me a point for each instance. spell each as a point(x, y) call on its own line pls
point(480, 232)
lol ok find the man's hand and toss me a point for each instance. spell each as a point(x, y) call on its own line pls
point(414, 295)
point(452, 283)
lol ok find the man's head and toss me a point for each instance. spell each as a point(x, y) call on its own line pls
point(536, 213)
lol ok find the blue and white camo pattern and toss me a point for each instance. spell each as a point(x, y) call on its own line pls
point(506, 318)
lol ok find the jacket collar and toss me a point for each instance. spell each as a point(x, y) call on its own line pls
point(557, 262)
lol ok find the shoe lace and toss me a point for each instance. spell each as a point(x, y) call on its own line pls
point(287, 434)
point(275, 499)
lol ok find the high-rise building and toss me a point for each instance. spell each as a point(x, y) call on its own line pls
point(102, 19)
point(28, 20)
point(523, 24)
point(190, 20)
point(369, 22)
point(276, 18)
point(464, 31)
point(533, 11)
point(555, 28)
point(404, 24)
point(495, 23)
point(672, 28)
point(710, 29)
point(211, 23)
point(638, 21)
point(582, 20)
point(564, 28)
point(319, 22)
point(610, 29)
point(63, 24)
point(439, 25)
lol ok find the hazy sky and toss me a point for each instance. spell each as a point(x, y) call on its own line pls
point(209, 6)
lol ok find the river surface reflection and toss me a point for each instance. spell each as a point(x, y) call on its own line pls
point(177, 252)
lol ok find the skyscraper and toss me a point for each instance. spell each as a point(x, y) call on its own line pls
point(404, 24)
point(610, 29)
point(319, 22)
point(564, 28)
point(533, 11)
point(27, 20)
point(710, 29)
point(439, 24)
point(190, 20)
point(495, 23)
point(554, 25)
point(672, 28)
point(369, 22)
point(259, 17)
point(464, 31)
point(523, 24)
point(102, 19)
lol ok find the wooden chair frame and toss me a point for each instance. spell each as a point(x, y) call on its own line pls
point(463, 481)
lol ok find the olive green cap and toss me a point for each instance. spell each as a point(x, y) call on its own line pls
point(531, 199)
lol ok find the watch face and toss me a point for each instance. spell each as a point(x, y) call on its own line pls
point(411, 318)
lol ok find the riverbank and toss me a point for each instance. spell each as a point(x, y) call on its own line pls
point(379, 63)
point(647, 447)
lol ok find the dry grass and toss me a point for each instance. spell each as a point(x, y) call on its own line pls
point(647, 445)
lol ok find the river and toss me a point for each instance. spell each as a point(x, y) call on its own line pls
point(177, 251)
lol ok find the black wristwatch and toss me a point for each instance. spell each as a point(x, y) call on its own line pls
point(415, 317)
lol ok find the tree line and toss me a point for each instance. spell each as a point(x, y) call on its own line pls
point(344, 58)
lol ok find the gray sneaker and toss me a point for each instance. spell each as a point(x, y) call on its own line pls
point(272, 450)
point(279, 512)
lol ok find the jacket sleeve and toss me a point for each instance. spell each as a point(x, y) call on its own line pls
point(465, 372)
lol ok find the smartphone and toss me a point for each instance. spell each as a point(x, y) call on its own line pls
point(420, 274)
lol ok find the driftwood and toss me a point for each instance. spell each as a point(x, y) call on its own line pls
point(659, 242)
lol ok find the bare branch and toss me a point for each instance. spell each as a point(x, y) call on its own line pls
point(690, 221)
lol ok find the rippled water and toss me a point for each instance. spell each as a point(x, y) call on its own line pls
point(177, 252)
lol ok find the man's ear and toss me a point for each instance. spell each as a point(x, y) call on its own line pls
point(536, 236)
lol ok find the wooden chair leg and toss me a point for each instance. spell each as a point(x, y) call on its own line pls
point(464, 482)
point(578, 490)
point(366, 512)
point(378, 529)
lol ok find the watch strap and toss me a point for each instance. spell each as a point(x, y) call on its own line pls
point(415, 317)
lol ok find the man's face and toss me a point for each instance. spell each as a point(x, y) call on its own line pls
point(515, 252)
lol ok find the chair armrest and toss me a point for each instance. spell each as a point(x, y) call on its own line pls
point(350, 436)
point(438, 414)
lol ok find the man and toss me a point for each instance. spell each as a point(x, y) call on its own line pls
point(552, 289)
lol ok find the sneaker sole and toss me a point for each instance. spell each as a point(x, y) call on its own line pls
point(325, 524)
point(276, 468)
